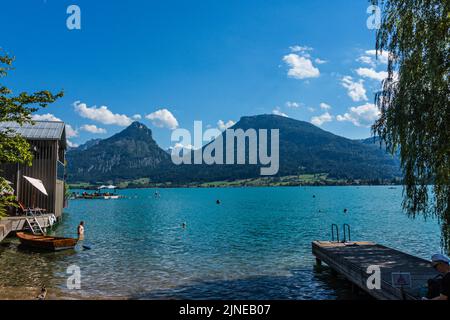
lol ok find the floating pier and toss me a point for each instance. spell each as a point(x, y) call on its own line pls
point(352, 260)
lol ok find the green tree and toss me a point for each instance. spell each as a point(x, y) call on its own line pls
point(18, 108)
point(414, 102)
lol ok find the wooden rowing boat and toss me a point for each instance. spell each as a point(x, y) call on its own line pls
point(46, 242)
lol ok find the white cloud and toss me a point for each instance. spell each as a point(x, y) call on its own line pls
point(301, 67)
point(366, 60)
point(311, 109)
point(382, 58)
point(72, 145)
point(224, 126)
point(293, 105)
point(101, 114)
point(92, 128)
point(163, 118)
point(361, 116)
point(325, 106)
point(320, 120)
point(137, 117)
point(278, 112)
point(45, 117)
point(320, 61)
point(300, 48)
point(180, 149)
point(372, 74)
point(181, 146)
point(355, 90)
point(70, 132)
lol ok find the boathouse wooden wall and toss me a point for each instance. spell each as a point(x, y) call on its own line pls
point(48, 166)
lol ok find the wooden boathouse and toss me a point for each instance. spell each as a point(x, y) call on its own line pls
point(48, 143)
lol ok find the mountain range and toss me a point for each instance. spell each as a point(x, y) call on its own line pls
point(303, 149)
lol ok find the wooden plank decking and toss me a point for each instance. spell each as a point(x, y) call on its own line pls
point(12, 224)
point(352, 260)
point(5, 228)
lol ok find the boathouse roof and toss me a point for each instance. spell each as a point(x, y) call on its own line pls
point(39, 130)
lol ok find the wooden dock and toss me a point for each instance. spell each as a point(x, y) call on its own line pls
point(352, 260)
point(5, 228)
point(13, 224)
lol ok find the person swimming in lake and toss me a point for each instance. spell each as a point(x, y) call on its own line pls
point(80, 230)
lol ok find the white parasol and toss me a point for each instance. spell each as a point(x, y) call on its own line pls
point(37, 184)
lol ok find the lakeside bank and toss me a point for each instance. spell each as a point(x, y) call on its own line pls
point(31, 293)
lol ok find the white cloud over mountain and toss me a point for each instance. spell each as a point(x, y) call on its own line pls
point(92, 128)
point(163, 118)
point(361, 116)
point(101, 114)
point(320, 120)
point(222, 125)
point(277, 111)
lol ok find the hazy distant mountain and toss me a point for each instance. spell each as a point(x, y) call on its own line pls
point(304, 148)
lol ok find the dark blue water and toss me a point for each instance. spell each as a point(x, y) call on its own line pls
point(255, 245)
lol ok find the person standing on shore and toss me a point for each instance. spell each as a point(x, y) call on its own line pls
point(80, 230)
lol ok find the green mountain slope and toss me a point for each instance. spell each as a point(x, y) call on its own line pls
point(131, 153)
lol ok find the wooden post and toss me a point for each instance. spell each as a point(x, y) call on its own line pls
point(318, 262)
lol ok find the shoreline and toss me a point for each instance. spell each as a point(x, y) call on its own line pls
point(302, 180)
point(31, 293)
point(237, 185)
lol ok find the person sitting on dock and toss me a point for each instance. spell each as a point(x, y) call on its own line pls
point(80, 230)
point(442, 264)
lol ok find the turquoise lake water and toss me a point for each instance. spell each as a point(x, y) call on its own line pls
point(255, 245)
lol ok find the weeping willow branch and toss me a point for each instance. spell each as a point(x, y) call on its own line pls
point(414, 102)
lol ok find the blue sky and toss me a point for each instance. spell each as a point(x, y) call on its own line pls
point(173, 62)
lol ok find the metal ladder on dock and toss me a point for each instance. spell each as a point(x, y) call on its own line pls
point(33, 224)
point(346, 227)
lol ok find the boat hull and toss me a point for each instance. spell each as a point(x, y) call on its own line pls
point(46, 242)
point(111, 197)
